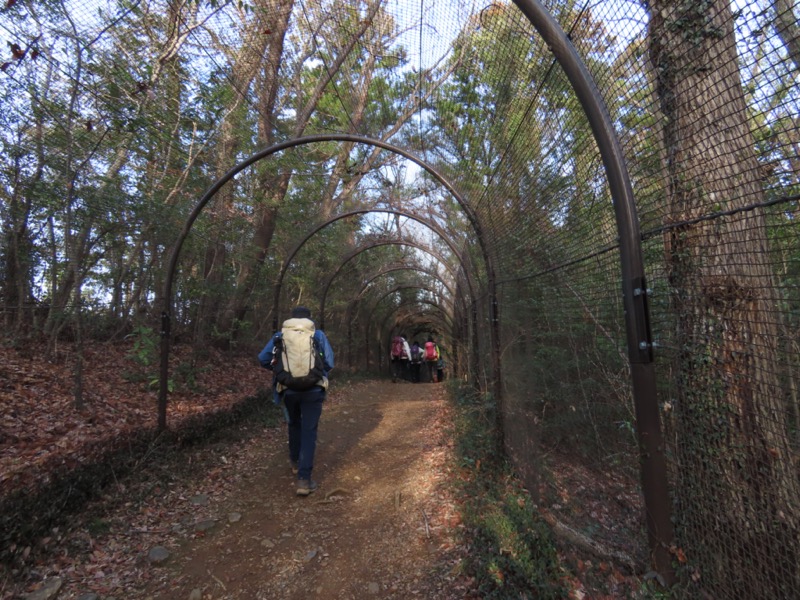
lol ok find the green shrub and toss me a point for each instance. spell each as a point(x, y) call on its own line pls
point(512, 552)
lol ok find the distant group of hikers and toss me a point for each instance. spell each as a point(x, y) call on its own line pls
point(407, 360)
point(300, 358)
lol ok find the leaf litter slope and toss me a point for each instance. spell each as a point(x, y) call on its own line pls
point(381, 524)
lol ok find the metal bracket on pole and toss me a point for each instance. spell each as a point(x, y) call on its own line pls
point(165, 324)
point(636, 302)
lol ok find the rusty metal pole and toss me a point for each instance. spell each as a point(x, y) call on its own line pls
point(164, 373)
point(654, 478)
point(367, 345)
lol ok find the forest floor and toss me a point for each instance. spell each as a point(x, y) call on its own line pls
point(222, 520)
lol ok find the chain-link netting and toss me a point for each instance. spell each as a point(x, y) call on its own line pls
point(500, 239)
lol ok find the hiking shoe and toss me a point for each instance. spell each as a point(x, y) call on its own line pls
point(305, 487)
point(294, 467)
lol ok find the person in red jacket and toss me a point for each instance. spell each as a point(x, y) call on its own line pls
point(431, 357)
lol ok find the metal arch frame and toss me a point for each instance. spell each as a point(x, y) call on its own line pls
point(421, 322)
point(391, 269)
point(639, 337)
point(406, 286)
point(414, 244)
point(403, 318)
point(417, 322)
point(653, 467)
point(446, 316)
point(310, 139)
point(403, 267)
point(395, 211)
point(391, 313)
point(380, 273)
point(385, 342)
point(377, 243)
point(423, 318)
point(382, 327)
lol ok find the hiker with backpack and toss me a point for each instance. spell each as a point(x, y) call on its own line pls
point(399, 354)
point(300, 358)
point(416, 361)
point(431, 358)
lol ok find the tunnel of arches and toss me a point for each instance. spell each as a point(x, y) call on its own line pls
point(477, 316)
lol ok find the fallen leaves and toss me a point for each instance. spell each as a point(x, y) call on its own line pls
point(678, 553)
point(41, 429)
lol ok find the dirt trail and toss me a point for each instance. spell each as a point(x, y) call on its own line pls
point(380, 525)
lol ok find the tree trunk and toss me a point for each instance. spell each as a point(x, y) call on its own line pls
point(267, 211)
point(788, 29)
point(329, 202)
point(18, 267)
point(264, 37)
point(76, 231)
point(737, 487)
point(77, 367)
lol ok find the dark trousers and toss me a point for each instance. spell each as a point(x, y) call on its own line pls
point(304, 410)
point(431, 370)
point(415, 367)
point(399, 368)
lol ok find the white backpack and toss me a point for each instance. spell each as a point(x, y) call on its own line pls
point(300, 365)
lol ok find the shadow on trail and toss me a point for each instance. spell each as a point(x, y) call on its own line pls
point(373, 529)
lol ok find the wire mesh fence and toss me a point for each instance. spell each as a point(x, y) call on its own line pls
point(118, 116)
